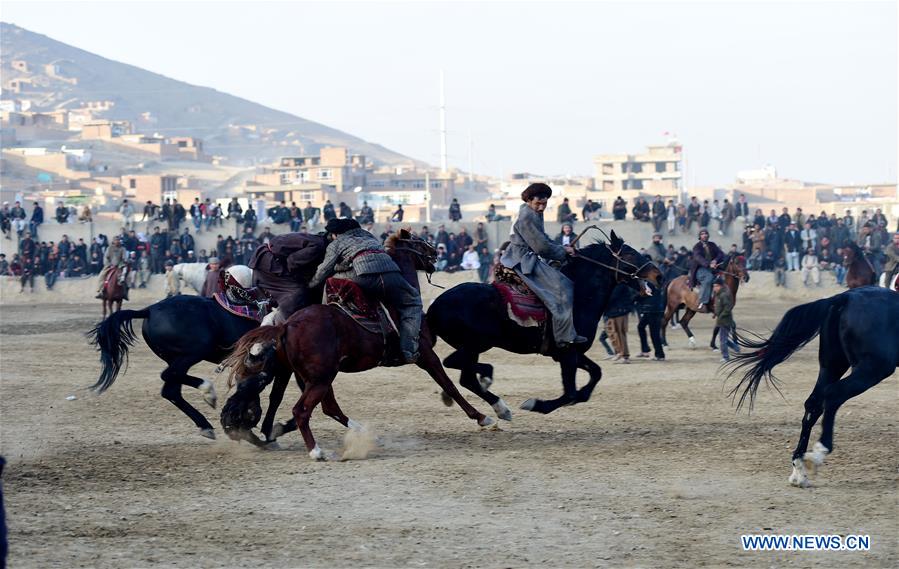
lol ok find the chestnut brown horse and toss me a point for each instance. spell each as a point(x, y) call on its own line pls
point(859, 271)
point(318, 342)
point(680, 295)
point(113, 290)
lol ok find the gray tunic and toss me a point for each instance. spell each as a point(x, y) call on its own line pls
point(355, 252)
point(528, 243)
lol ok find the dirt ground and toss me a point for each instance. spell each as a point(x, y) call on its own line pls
point(657, 470)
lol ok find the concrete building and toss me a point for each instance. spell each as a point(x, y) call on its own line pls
point(333, 168)
point(143, 187)
point(104, 129)
point(657, 171)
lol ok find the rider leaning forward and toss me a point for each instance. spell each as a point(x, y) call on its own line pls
point(529, 245)
point(357, 255)
point(707, 257)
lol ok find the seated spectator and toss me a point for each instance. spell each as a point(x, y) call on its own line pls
point(485, 258)
point(96, 263)
point(442, 257)
point(564, 214)
point(619, 209)
point(566, 236)
point(839, 270)
point(4, 266)
point(810, 268)
point(471, 259)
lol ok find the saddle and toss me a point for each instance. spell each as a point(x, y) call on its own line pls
point(523, 306)
point(254, 310)
point(349, 298)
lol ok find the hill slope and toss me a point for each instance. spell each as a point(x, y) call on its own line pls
point(229, 125)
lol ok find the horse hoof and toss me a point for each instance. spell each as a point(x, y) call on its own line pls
point(502, 410)
point(485, 421)
point(207, 388)
point(272, 445)
point(354, 425)
point(691, 343)
point(447, 400)
point(277, 431)
point(207, 433)
point(815, 458)
point(485, 382)
point(798, 477)
point(317, 454)
point(529, 404)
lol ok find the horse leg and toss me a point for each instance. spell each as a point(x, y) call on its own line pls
point(569, 365)
point(429, 362)
point(467, 363)
point(485, 374)
point(174, 376)
point(302, 412)
point(864, 376)
point(814, 406)
point(685, 321)
point(279, 385)
point(591, 367)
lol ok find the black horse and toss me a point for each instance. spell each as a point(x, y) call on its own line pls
point(182, 330)
point(473, 318)
point(859, 329)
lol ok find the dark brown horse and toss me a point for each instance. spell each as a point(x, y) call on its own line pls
point(859, 271)
point(680, 295)
point(113, 290)
point(321, 340)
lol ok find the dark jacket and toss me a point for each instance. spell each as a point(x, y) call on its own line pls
point(621, 302)
point(724, 308)
point(354, 253)
point(701, 259)
point(290, 255)
point(651, 304)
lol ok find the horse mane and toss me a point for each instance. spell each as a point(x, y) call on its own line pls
point(390, 242)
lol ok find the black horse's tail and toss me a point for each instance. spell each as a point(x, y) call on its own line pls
point(797, 328)
point(113, 337)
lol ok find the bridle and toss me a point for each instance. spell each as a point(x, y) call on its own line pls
point(619, 260)
point(429, 257)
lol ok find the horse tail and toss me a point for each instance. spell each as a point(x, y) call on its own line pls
point(246, 359)
point(797, 328)
point(113, 337)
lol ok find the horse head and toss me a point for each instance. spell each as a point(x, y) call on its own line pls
point(737, 266)
point(404, 246)
point(628, 266)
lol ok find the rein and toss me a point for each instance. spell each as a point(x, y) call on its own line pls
point(425, 256)
point(618, 259)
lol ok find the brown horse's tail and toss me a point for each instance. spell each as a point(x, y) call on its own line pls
point(252, 352)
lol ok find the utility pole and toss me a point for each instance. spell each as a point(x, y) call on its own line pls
point(427, 196)
point(470, 165)
point(442, 126)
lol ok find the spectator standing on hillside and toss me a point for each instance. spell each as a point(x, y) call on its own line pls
point(563, 214)
point(37, 218)
point(742, 208)
point(187, 241)
point(17, 217)
point(727, 217)
point(235, 210)
point(693, 212)
point(27, 273)
point(179, 213)
point(27, 247)
point(196, 214)
point(310, 216)
point(671, 216)
point(793, 246)
point(455, 211)
point(296, 217)
point(659, 213)
point(127, 211)
point(249, 219)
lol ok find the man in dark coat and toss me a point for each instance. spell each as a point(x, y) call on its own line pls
point(283, 268)
point(357, 255)
point(651, 308)
point(706, 258)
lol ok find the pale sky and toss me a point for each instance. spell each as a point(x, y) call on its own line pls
point(543, 87)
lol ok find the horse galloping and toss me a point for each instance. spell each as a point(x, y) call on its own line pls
point(113, 291)
point(858, 329)
point(183, 330)
point(319, 341)
point(680, 295)
point(473, 318)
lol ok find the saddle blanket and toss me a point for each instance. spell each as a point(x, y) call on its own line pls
point(242, 310)
point(352, 300)
point(523, 306)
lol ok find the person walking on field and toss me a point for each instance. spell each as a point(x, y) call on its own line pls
point(724, 318)
point(620, 305)
point(651, 308)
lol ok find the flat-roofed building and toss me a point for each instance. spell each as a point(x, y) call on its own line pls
point(657, 171)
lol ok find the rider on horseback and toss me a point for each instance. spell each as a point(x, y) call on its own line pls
point(283, 267)
point(529, 245)
point(116, 257)
point(357, 255)
point(706, 259)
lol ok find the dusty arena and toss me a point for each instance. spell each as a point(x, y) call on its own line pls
point(657, 470)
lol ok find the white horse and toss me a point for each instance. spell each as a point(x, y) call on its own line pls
point(194, 275)
point(893, 284)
